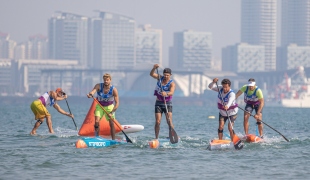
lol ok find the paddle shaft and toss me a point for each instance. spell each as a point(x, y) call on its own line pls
point(71, 113)
point(127, 138)
point(265, 124)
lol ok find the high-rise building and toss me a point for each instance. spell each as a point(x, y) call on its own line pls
point(243, 57)
point(295, 35)
point(295, 23)
point(34, 48)
point(258, 27)
point(112, 43)
point(7, 46)
point(68, 37)
point(148, 45)
point(20, 51)
point(37, 47)
point(293, 56)
point(192, 49)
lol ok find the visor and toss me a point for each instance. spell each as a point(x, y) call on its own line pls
point(251, 83)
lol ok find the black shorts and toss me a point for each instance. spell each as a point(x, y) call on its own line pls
point(224, 118)
point(161, 108)
point(251, 107)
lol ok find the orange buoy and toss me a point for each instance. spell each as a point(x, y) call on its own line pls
point(80, 144)
point(154, 143)
point(251, 138)
point(87, 128)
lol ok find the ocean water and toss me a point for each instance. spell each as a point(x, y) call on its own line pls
point(55, 156)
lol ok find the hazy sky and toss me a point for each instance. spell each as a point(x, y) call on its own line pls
point(22, 18)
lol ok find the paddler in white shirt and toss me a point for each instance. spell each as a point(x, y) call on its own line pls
point(229, 105)
point(40, 112)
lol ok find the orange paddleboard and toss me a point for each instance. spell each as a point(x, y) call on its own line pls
point(217, 144)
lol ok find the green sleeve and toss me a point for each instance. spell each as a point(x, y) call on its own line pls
point(243, 88)
point(259, 94)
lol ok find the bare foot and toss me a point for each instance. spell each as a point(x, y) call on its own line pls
point(33, 133)
point(52, 132)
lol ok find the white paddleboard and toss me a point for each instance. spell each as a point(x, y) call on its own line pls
point(132, 128)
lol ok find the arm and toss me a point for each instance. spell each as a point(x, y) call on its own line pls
point(116, 99)
point(238, 93)
point(261, 105)
point(211, 85)
point(152, 73)
point(93, 91)
point(261, 101)
point(61, 111)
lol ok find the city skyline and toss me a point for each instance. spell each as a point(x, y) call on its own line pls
point(199, 16)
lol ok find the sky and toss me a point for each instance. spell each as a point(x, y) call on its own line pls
point(23, 18)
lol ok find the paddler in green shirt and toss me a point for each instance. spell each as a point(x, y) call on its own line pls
point(253, 97)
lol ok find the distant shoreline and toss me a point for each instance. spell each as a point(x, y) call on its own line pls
point(195, 101)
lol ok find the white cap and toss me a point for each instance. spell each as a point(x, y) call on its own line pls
point(250, 83)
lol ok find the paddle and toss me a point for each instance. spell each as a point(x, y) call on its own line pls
point(236, 140)
point(265, 124)
point(70, 112)
point(127, 138)
point(173, 136)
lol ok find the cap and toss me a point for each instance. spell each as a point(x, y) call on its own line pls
point(167, 70)
point(58, 90)
point(251, 83)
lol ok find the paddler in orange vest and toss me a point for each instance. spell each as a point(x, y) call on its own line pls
point(107, 95)
point(253, 97)
point(226, 96)
point(164, 89)
point(40, 112)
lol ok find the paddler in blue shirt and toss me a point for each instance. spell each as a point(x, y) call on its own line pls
point(229, 107)
point(107, 95)
point(40, 112)
point(253, 97)
point(164, 89)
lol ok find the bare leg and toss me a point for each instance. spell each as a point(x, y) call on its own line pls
point(157, 124)
point(112, 129)
point(246, 122)
point(49, 124)
point(260, 126)
point(231, 130)
point(36, 126)
point(221, 127)
point(97, 128)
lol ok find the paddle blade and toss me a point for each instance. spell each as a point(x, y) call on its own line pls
point(238, 144)
point(173, 136)
point(127, 138)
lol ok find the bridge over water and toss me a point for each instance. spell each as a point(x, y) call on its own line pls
point(138, 83)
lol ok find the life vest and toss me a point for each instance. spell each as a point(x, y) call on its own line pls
point(105, 99)
point(159, 88)
point(251, 99)
point(225, 101)
point(47, 100)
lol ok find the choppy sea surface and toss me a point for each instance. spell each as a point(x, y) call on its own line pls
point(54, 156)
